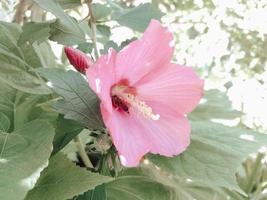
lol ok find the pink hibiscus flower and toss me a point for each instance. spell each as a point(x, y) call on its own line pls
point(144, 97)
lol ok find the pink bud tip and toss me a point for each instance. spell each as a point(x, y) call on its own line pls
point(78, 59)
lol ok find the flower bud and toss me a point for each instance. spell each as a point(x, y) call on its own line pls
point(78, 59)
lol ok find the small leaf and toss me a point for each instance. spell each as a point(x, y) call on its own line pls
point(23, 155)
point(71, 179)
point(139, 17)
point(101, 12)
point(4, 122)
point(69, 4)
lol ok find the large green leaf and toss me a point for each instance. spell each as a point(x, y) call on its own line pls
point(65, 35)
point(64, 26)
point(66, 130)
point(21, 107)
point(214, 155)
point(79, 102)
point(71, 179)
point(216, 105)
point(9, 34)
point(22, 80)
point(24, 153)
point(14, 69)
point(149, 182)
point(4, 122)
point(99, 193)
point(34, 31)
point(138, 18)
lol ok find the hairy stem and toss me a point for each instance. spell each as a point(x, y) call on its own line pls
point(92, 24)
point(20, 11)
point(82, 153)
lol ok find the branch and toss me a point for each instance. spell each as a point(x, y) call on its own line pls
point(82, 153)
point(20, 11)
point(92, 24)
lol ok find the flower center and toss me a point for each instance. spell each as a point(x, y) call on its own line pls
point(124, 99)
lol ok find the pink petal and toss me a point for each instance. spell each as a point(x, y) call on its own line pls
point(134, 136)
point(128, 136)
point(169, 136)
point(143, 56)
point(78, 59)
point(176, 89)
point(101, 76)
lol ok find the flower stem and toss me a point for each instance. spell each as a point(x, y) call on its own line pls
point(82, 153)
point(92, 24)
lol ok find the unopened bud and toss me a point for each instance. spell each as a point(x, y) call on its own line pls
point(78, 59)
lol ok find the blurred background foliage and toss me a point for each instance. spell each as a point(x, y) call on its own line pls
point(226, 41)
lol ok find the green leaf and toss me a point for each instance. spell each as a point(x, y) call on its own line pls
point(4, 122)
point(22, 80)
point(71, 179)
point(86, 47)
point(66, 24)
point(148, 182)
point(79, 101)
point(69, 4)
point(14, 69)
point(216, 105)
point(9, 35)
point(40, 55)
point(65, 35)
point(214, 155)
point(99, 193)
point(24, 153)
point(66, 130)
point(136, 188)
point(101, 11)
point(34, 31)
point(139, 17)
point(109, 44)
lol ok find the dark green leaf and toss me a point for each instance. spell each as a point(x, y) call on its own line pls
point(24, 154)
point(66, 130)
point(71, 179)
point(4, 122)
point(65, 35)
point(99, 193)
point(79, 102)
